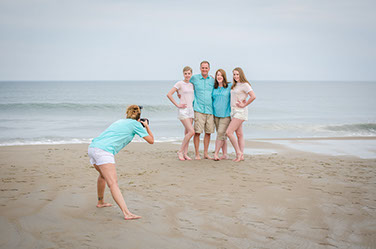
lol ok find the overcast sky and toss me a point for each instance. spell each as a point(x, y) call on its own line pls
point(154, 40)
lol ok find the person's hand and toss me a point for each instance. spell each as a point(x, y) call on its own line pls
point(145, 123)
point(181, 106)
point(241, 104)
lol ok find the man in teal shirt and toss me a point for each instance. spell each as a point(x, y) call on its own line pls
point(203, 107)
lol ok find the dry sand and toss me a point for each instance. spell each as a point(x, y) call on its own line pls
point(288, 199)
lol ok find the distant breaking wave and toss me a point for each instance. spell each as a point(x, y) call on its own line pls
point(358, 128)
point(346, 130)
point(60, 140)
point(78, 107)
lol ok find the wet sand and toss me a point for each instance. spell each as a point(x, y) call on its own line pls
point(287, 199)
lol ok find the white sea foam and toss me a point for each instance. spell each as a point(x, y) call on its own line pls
point(359, 148)
point(45, 142)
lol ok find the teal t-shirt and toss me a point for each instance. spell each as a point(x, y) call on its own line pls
point(221, 101)
point(118, 135)
point(203, 93)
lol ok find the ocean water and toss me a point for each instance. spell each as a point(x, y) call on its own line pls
point(54, 112)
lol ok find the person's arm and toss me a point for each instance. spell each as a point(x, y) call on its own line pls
point(245, 103)
point(150, 138)
point(169, 96)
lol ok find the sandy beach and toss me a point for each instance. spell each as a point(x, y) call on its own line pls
point(287, 199)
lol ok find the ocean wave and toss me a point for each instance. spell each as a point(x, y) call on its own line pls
point(59, 140)
point(358, 129)
point(362, 127)
point(78, 106)
point(44, 141)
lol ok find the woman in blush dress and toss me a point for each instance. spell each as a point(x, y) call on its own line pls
point(221, 110)
point(240, 91)
point(185, 110)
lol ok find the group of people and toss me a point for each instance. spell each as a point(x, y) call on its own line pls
point(209, 101)
point(212, 103)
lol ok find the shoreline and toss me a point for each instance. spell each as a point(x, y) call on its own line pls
point(85, 140)
point(361, 147)
point(320, 138)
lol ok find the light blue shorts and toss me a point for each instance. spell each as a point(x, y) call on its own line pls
point(98, 156)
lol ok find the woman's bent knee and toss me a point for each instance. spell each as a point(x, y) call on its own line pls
point(112, 183)
point(229, 133)
point(239, 134)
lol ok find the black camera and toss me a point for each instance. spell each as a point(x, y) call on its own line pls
point(143, 119)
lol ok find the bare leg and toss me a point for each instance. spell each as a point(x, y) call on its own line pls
point(109, 173)
point(196, 142)
point(185, 149)
point(188, 128)
point(185, 134)
point(224, 150)
point(180, 153)
point(101, 185)
point(241, 142)
point(234, 125)
point(218, 146)
point(206, 145)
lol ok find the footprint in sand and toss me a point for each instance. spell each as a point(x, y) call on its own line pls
point(12, 189)
point(72, 206)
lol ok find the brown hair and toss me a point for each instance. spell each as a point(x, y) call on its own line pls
point(242, 77)
point(205, 62)
point(133, 112)
point(187, 68)
point(216, 84)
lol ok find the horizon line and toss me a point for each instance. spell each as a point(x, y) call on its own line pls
point(101, 80)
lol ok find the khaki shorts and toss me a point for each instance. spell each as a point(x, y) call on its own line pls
point(221, 125)
point(204, 122)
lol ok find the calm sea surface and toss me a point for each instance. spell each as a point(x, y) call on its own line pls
point(75, 112)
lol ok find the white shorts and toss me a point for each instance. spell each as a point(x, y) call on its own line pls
point(98, 156)
point(239, 113)
point(184, 113)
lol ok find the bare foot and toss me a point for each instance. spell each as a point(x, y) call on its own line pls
point(242, 157)
point(216, 158)
point(223, 157)
point(208, 157)
point(181, 156)
point(187, 157)
point(131, 217)
point(102, 205)
point(238, 157)
point(197, 157)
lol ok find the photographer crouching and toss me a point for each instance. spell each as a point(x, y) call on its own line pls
point(103, 148)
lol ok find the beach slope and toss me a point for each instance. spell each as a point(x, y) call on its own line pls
point(287, 199)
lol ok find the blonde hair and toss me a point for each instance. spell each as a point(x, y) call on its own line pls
point(187, 68)
point(216, 84)
point(242, 77)
point(133, 112)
